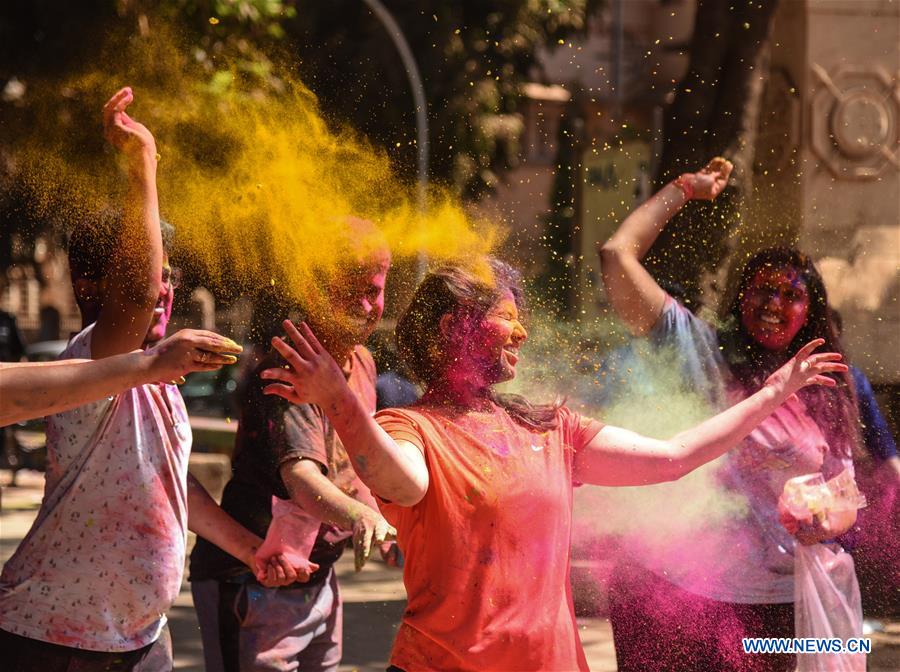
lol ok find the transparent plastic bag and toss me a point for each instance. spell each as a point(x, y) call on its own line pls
point(827, 603)
point(810, 495)
point(293, 533)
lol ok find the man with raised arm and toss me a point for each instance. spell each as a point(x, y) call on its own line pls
point(89, 586)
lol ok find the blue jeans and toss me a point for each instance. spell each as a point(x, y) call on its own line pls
point(249, 628)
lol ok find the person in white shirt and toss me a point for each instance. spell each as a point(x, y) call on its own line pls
point(89, 586)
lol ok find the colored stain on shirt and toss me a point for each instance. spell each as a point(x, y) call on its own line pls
point(104, 558)
point(487, 549)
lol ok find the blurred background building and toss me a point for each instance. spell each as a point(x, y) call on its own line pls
point(803, 95)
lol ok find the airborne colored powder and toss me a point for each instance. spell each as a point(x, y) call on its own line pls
point(258, 185)
point(633, 385)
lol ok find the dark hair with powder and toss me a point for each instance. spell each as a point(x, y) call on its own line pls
point(833, 409)
point(460, 291)
point(92, 244)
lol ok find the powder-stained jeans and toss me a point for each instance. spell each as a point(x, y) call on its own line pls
point(249, 628)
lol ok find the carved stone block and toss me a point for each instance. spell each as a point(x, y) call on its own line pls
point(855, 121)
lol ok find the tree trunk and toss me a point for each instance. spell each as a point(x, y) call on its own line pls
point(715, 113)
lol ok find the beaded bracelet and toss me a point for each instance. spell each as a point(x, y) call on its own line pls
point(683, 183)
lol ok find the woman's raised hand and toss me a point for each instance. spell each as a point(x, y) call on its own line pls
point(311, 375)
point(807, 368)
point(128, 136)
point(711, 181)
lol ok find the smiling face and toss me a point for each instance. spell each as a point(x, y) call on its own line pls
point(775, 306)
point(357, 302)
point(162, 311)
point(488, 349)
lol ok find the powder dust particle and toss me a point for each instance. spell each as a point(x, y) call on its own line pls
point(259, 186)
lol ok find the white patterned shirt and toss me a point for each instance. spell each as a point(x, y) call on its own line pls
point(104, 558)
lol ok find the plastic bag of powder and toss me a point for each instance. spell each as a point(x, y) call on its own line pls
point(810, 495)
point(827, 603)
point(292, 532)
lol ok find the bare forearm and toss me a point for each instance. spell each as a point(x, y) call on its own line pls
point(207, 519)
point(635, 296)
point(34, 390)
point(319, 497)
point(141, 246)
point(394, 470)
point(135, 271)
point(385, 467)
point(716, 436)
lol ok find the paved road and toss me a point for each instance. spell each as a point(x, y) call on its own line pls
point(374, 601)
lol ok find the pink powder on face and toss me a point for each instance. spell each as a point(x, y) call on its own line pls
point(774, 307)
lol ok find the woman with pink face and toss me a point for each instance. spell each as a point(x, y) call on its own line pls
point(739, 582)
point(479, 484)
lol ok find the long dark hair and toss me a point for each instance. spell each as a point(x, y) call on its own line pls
point(833, 409)
point(469, 292)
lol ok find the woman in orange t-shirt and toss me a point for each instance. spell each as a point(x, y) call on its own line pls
point(479, 484)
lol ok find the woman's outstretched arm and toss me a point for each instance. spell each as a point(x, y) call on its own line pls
point(393, 470)
point(37, 389)
point(635, 296)
point(618, 456)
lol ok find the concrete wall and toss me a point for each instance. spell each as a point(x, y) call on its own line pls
point(828, 163)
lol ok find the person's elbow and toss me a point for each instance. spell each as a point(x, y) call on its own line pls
point(402, 480)
point(676, 463)
point(611, 253)
point(406, 498)
point(406, 492)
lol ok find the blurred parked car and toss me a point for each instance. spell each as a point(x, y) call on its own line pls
point(212, 393)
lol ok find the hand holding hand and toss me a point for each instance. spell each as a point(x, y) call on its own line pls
point(312, 376)
point(190, 350)
point(806, 368)
point(128, 136)
point(276, 571)
point(711, 181)
point(370, 527)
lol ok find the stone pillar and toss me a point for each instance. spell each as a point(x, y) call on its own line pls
point(828, 163)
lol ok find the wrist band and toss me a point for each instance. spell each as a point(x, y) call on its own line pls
point(686, 187)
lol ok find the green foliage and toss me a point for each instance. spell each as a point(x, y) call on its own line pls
point(473, 55)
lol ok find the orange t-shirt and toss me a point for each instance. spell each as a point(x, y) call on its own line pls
point(487, 548)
